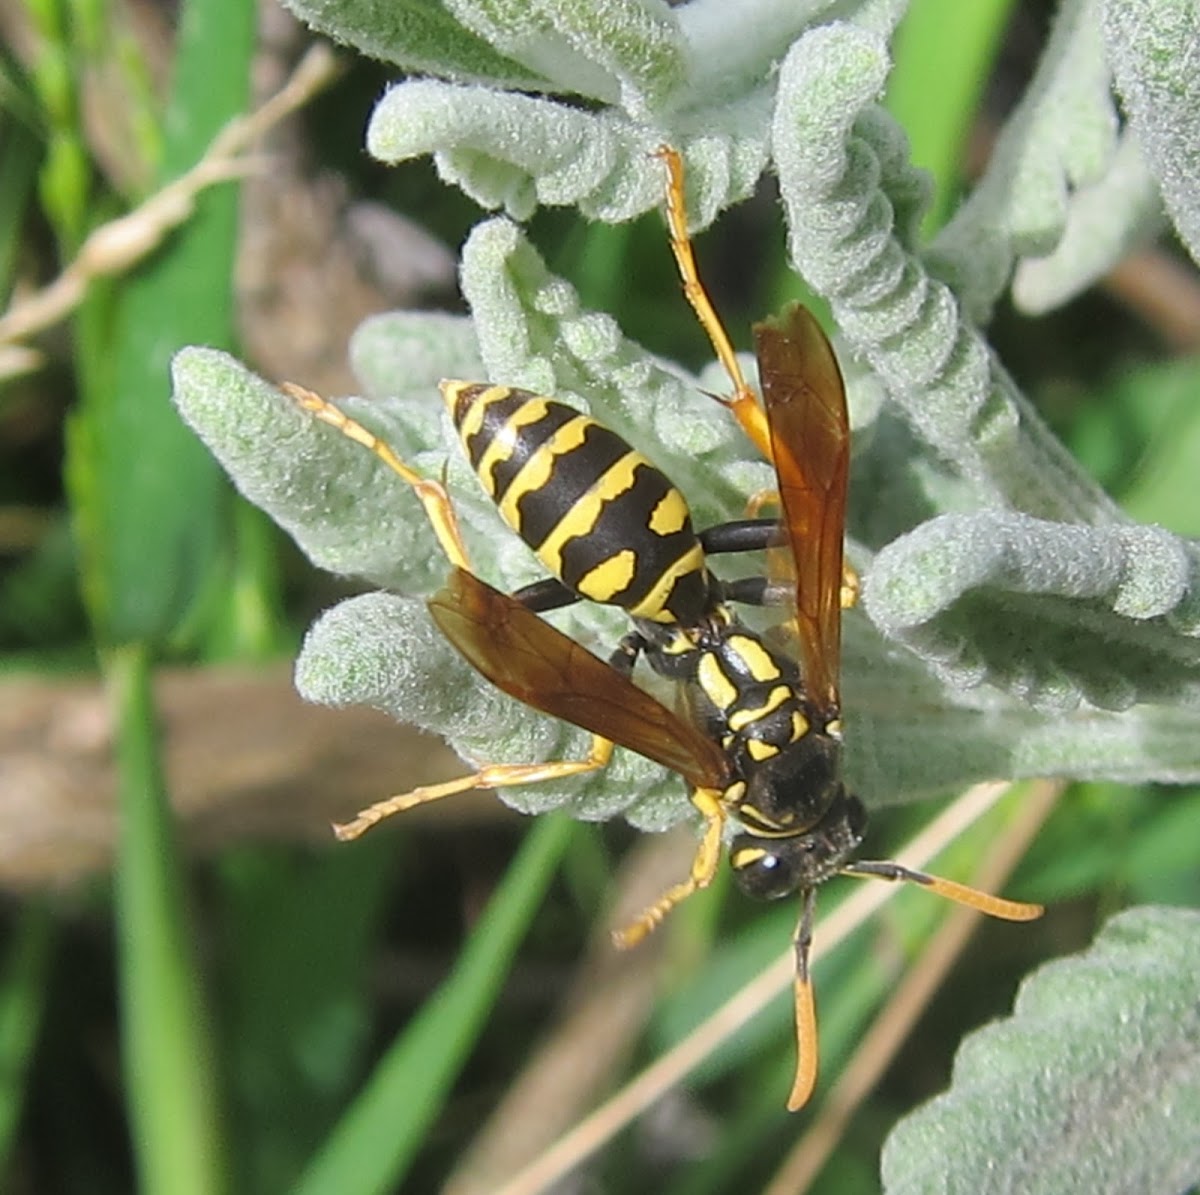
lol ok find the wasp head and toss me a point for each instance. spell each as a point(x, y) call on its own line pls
point(768, 866)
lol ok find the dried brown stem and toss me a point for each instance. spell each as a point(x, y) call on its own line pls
point(121, 243)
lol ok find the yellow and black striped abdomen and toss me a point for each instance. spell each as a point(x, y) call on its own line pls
point(599, 515)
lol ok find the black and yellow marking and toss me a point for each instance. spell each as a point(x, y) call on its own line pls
point(597, 513)
point(761, 749)
point(755, 694)
point(747, 856)
point(744, 716)
point(752, 659)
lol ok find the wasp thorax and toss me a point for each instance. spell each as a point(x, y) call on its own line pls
point(792, 790)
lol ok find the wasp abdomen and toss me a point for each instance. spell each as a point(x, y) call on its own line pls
point(598, 514)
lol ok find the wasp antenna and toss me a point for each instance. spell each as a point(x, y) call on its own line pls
point(963, 894)
point(806, 1012)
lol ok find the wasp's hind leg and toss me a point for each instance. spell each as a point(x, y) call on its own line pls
point(495, 775)
point(755, 505)
point(439, 508)
point(432, 494)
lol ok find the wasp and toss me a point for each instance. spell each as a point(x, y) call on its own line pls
point(759, 741)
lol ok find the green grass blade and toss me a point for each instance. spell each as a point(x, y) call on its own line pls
point(152, 504)
point(167, 1048)
point(1163, 489)
point(19, 158)
point(373, 1146)
point(301, 942)
point(26, 978)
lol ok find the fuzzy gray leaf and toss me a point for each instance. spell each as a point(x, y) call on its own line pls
point(733, 48)
point(1055, 613)
point(1061, 137)
point(849, 195)
point(515, 151)
point(1104, 222)
point(620, 51)
point(344, 508)
point(418, 35)
point(1092, 1085)
point(405, 352)
point(1155, 50)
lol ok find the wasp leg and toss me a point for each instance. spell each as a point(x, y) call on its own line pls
point(625, 654)
point(548, 594)
point(742, 402)
point(759, 499)
point(704, 867)
point(851, 585)
point(754, 533)
point(432, 494)
point(973, 898)
point(440, 510)
point(497, 775)
point(757, 591)
point(764, 591)
point(739, 535)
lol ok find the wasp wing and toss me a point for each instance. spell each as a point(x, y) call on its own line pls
point(528, 659)
point(805, 401)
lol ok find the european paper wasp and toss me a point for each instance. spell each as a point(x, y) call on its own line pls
point(760, 741)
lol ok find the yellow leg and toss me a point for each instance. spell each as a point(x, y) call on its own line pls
point(759, 500)
point(851, 585)
point(440, 510)
point(704, 867)
point(495, 775)
point(432, 494)
point(742, 402)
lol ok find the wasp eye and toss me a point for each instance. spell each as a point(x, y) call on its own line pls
point(762, 871)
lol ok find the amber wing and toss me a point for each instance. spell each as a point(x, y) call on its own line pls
point(805, 401)
point(527, 658)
